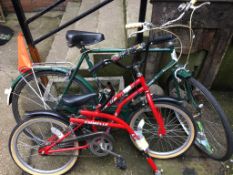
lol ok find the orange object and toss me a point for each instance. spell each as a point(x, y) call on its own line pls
point(24, 61)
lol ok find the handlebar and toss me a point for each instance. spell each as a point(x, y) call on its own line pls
point(183, 8)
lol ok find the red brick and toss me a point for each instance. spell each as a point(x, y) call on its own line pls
point(30, 5)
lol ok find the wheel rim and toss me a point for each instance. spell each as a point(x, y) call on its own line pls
point(36, 96)
point(25, 149)
point(211, 134)
point(178, 137)
point(213, 129)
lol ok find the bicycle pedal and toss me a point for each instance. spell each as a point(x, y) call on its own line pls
point(120, 163)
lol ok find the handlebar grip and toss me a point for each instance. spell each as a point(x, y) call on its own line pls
point(99, 65)
point(193, 2)
point(134, 25)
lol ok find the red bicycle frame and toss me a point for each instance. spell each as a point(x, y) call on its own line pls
point(143, 88)
point(114, 122)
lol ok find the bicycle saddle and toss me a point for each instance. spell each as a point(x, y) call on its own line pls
point(77, 100)
point(82, 38)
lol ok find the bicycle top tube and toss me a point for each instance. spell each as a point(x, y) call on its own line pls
point(117, 50)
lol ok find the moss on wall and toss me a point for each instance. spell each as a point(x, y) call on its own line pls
point(224, 78)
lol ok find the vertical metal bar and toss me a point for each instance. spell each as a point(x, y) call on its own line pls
point(142, 16)
point(26, 31)
point(2, 16)
point(21, 18)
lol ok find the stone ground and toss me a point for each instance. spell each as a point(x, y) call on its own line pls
point(192, 163)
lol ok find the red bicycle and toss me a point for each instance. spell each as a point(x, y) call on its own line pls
point(48, 143)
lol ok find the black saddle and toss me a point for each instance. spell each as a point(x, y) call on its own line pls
point(81, 38)
point(77, 100)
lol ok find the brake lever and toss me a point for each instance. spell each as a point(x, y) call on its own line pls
point(135, 33)
point(199, 6)
point(146, 27)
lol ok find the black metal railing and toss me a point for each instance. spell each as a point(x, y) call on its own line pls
point(24, 22)
point(142, 17)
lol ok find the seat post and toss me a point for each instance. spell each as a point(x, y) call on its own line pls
point(83, 49)
point(137, 70)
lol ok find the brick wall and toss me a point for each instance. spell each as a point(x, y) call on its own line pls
point(30, 5)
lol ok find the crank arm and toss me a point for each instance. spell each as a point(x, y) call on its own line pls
point(108, 151)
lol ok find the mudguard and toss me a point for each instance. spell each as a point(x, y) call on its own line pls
point(155, 98)
point(47, 113)
point(10, 91)
point(167, 99)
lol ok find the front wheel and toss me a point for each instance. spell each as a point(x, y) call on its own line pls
point(179, 126)
point(214, 134)
point(34, 133)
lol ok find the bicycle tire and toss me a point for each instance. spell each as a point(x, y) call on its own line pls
point(156, 150)
point(24, 149)
point(224, 136)
point(23, 95)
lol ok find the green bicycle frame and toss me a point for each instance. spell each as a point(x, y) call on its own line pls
point(85, 57)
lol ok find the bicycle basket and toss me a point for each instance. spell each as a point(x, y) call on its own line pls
point(24, 62)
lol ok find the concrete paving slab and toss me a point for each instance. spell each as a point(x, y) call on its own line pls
point(111, 23)
point(60, 42)
point(7, 122)
point(188, 164)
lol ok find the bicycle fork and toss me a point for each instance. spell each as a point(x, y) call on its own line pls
point(157, 115)
point(143, 145)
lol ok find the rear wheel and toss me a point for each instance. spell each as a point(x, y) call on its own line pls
point(214, 134)
point(33, 94)
point(179, 126)
point(35, 133)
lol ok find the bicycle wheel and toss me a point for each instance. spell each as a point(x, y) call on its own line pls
point(30, 136)
point(31, 94)
point(180, 130)
point(214, 134)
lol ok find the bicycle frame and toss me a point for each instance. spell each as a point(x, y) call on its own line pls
point(119, 123)
point(73, 73)
point(85, 56)
point(93, 118)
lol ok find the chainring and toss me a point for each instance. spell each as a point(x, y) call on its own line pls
point(98, 142)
